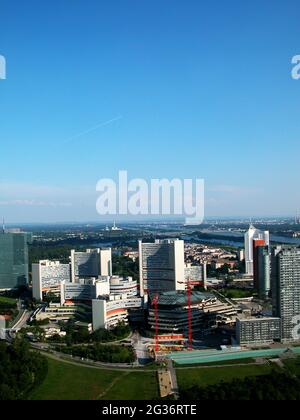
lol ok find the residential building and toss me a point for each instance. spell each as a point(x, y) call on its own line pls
point(285, 284)
point(251, 331)
point(196, 273)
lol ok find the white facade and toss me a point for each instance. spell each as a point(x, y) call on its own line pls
point(84, 290)
point(47, 276)
point(91, 263)
point(105, 262)
point(161, 266)
point(251, 235)
point(123, 286)
point(111, 310)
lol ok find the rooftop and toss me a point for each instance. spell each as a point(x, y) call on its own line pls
point(180, 298)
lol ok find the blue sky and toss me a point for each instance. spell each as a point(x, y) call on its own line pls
point(173, 88)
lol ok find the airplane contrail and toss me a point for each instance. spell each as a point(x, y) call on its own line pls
point(103, 124)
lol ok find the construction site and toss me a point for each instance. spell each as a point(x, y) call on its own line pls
point(182, 318)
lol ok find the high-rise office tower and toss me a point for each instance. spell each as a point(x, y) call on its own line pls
point(91, 263)
point(47, 277)
point(285, 284)
point(261, 268)
point(161, 266)
point(251, 235)
point(14, 259)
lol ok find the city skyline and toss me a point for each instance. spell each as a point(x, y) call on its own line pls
point(163, 90)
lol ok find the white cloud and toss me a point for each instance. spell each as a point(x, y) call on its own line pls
point(34, 203)
point(12, 189)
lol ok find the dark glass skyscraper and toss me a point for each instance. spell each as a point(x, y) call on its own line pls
point(14, 259)
point(262, 269)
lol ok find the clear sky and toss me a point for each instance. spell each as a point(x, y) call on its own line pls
point(162, 88)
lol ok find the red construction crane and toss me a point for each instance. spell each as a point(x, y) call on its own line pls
point(190, 334)
point(189, 283)
point(155, 304)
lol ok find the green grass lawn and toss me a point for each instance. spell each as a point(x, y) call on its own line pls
point(69, 382)
point(232, 293)
point(7, 301)
point(135, 386)
point(203, 377)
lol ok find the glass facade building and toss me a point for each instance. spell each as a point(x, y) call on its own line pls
point(14, 259)
point(285, 274)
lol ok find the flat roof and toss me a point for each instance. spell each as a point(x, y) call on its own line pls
point(257, 318)
point(180, 298)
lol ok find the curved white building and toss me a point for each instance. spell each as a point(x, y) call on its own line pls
point(123, 286)
point(115, 307)
point(109, 311)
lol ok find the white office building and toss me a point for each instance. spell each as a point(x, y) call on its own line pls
point(251, 235)
point(47, 277)
point(91, 263)
point(109, 311)
point(84, 290)
point(123, 286)
point(115, 306)
point(161, 266)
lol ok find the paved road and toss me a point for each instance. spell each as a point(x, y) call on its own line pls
point(22, 321)
point(92, 365)
point(60, 357)
point(140, 344)
point(172, 371)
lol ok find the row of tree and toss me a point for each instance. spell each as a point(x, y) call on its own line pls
point(21, 370)
point(101, 353)
point(80, 335)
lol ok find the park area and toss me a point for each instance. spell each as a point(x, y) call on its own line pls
point(213, 375)
point(65, 381)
